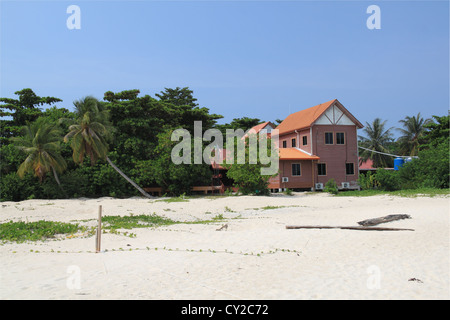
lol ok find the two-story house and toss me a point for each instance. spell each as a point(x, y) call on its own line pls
point(317, 144)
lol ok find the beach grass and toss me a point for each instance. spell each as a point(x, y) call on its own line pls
point(269, 207)
point(408, 193)
point(138, 221)
point(43, 230)
point(114, 223)
point(35, 231)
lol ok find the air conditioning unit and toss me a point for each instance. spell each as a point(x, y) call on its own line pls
point(284, 179)
point(319, 186)
point(345, 185)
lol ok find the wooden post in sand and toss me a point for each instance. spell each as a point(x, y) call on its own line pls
point(98, 238)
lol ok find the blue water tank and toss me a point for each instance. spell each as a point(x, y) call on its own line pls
point(398, 162)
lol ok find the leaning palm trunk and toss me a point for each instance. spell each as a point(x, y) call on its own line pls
point(90, 133)
point(55, 175)
point(128, 179)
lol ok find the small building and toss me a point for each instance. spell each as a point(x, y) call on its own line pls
point(266, 126)
point(367, 166)
point(316, 145)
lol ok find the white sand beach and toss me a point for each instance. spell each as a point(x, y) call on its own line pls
point(256, 257)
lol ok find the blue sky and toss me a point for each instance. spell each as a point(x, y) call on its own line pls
point(262, 59)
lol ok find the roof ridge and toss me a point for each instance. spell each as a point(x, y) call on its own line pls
point(304, 118)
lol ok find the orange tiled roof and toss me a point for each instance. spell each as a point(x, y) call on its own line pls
point(305, 118)
point(284, 153)
point(260, 126)
point(295, 154)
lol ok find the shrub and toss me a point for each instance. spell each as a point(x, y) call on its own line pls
point(431, 169)
point(12, 188)
point(11, 158)
point(388, 180)
point(108, 182)
point(176, 179)
point(331, 186)
point(367, 181)
point(247, 176)
point(77, 183)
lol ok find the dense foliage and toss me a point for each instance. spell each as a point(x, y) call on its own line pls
point(429, 170)
point(248, 176)
point(129, 131)
point(175, 179)
point(133, 133)
point(19, 112)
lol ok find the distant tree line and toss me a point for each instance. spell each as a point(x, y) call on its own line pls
point(116, 146)
point(425, 140)
point(57, 153)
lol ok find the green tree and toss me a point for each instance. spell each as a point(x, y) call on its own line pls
point(19, 112)
point(175, 179)
point(11, 158)
point(431, 168)
point(278, 121)
point(178, 96)
point(244, 123)
point(377, 139)
point(412, 132)
point(187, 110)
point(139, 120)
point(124, 95)
point(436, 132)
point(247, 176)
point(89, 136)
point(41, 143)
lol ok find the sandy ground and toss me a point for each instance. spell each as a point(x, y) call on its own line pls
point(255, 258)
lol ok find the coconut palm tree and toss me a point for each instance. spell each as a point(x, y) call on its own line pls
point(413, 130)
point(90, 134)
point(377, 140)
point(91, 131)
point(41, 141)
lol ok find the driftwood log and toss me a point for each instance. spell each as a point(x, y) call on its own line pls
point(375, 221)
point(349, 228)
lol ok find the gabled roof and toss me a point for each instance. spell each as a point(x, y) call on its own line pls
point(261, 126)
point(306, 118)
point(295, 154)
point(256, 129)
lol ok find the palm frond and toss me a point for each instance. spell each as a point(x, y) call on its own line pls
point(41, 141)
point(89, 133)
